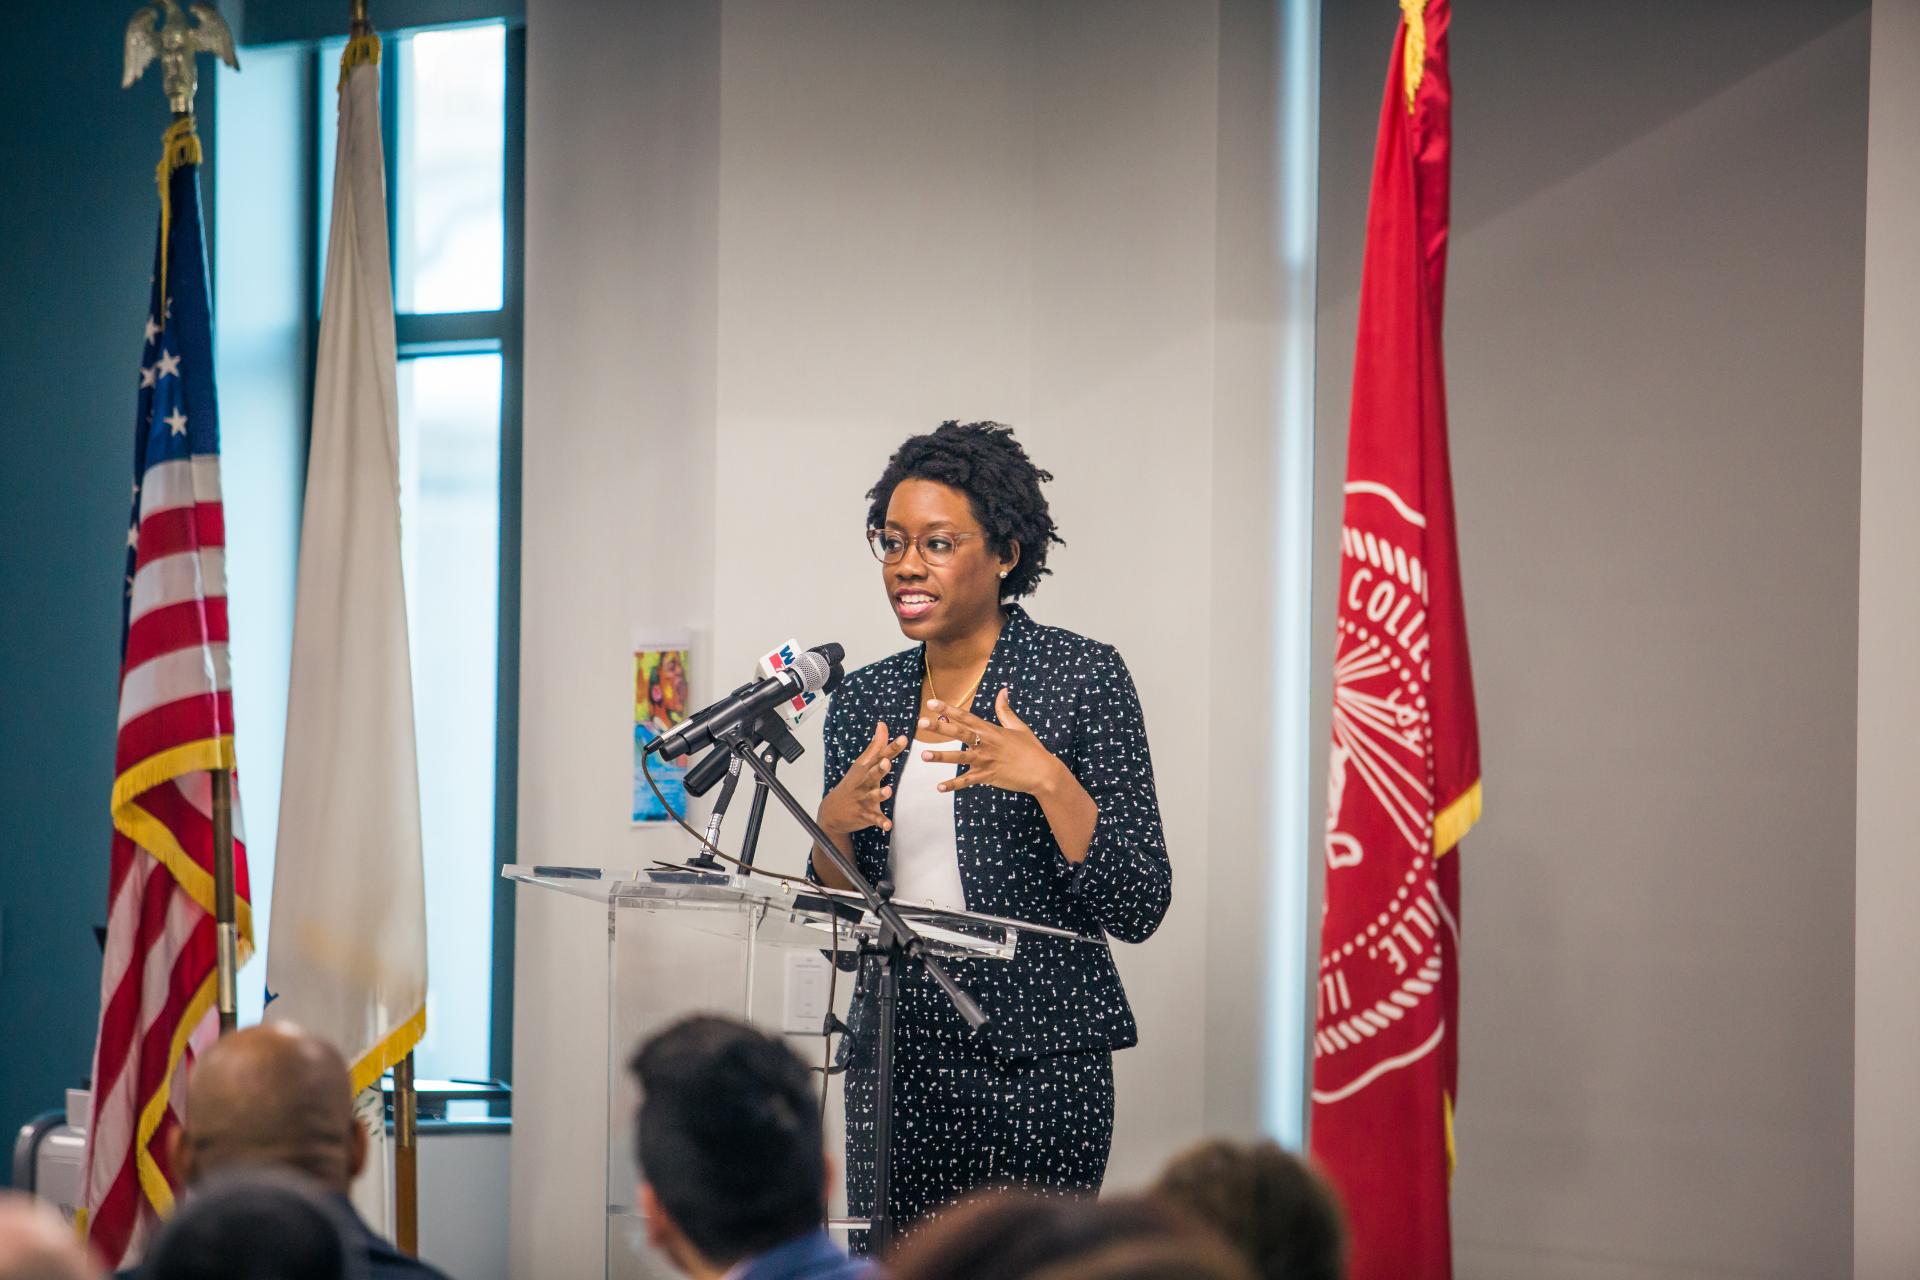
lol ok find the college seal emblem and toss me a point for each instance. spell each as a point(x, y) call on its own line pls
point(1388, 935)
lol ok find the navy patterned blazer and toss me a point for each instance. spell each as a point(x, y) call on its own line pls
point(1055, 995)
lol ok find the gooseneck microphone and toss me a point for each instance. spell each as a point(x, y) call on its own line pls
point(815, 670)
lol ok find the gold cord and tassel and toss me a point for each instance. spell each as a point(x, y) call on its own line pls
point(180, 146)
point(1413, 13)
point(361, 51)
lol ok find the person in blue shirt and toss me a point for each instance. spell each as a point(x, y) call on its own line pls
point(733, 1169)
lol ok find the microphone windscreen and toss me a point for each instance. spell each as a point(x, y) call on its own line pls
point(814, 670)
point(815, 675)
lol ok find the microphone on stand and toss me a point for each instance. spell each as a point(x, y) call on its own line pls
point(813, 671)
point(705, 859)
point(770, 729)
point(790, 685)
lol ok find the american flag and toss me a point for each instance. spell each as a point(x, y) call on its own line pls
point(158, 984)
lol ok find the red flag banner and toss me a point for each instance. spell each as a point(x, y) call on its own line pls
point(1404, 775)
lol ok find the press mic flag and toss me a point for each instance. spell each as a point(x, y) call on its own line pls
point(1404, 776)
point(347, 953)
point(815, 670)
point(797, 708)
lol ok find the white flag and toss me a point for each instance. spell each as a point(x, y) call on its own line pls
point(347, 953)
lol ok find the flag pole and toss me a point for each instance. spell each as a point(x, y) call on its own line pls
point(174, 45)
point(406, 1159)
point(226, 930)
point(406, 1144)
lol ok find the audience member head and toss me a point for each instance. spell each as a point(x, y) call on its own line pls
point(272, 1095)
point(1197, 1258)
point(262, 1223)
point(36, 1243)
point(1266, 1202)
point(728, 1139)
point(1019, 1236)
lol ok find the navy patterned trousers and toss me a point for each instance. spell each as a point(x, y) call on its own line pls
point(965, 1119)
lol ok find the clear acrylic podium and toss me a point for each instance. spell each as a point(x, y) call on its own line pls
point(687, 941)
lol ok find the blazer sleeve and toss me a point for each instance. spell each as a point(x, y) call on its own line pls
point(1126, 878)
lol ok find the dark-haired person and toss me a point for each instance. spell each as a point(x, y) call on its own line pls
point(1268, 1203)
point(1013, 1236)
point(258, 1223)
point(733, 1172)
point(1028, 792)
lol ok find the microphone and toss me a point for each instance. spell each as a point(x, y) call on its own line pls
point(816, 670)
point(793, 710)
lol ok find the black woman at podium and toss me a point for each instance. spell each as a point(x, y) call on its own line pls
point(998, 766)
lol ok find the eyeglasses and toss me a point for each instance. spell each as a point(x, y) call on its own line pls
point(890, 545)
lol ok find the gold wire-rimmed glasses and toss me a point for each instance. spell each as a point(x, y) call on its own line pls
point(890, 545)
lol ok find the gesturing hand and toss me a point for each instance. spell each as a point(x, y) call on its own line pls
point(854, 803)
point(1007, 755)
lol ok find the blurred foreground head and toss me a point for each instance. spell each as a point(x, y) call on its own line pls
point(255, 1224)
point(1016, 1236)
point(1267, 1203)
point(272, 1095)
point(36, 1243)
point(728, 1140)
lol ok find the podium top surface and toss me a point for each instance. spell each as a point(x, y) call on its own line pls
point(779, 910)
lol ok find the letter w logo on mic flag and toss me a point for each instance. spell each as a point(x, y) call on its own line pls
point(1404, 778)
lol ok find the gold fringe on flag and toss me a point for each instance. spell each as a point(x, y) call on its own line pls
point(179, 146)
point(361, 51)
point(1414, 13)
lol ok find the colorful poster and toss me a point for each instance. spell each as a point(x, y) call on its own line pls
point(659, 702)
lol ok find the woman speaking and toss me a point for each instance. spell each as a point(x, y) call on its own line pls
point(998, 766)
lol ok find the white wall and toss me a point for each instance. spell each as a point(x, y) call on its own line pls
point(767, 242)
point(1886, 1147)
point(919, 223)
point(622, 191)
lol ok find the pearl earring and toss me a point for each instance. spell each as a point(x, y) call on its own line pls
point(1003, 573)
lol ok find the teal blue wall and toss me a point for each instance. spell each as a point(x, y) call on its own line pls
point(77, 221)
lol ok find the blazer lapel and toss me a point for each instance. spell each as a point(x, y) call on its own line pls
point(900, 708)
point(977, 810)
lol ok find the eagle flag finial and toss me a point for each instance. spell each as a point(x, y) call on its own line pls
point(175, 42)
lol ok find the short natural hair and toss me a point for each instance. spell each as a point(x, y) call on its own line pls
point(985, 462)
point(728, 1136)
point(1267, 1202)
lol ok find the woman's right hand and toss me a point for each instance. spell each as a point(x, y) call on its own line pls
point(855, 802)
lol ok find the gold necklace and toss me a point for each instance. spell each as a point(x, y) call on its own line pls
point(971, 689)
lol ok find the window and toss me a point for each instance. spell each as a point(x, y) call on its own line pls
point(450, 104)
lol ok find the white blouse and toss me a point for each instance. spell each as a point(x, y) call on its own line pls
point(923, 856)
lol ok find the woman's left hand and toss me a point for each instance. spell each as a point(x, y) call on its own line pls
point(1007, 755)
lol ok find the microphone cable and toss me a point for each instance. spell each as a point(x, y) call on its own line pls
point(646, 769)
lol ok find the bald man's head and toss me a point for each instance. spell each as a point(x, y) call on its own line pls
point(37, 1244)
point(272, 1094)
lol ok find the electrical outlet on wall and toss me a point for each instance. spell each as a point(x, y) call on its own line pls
point(807, 979)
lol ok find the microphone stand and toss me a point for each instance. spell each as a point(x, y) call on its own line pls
point(777, 743)
point(704, 860)
point(770, 734)
point(897, 943)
